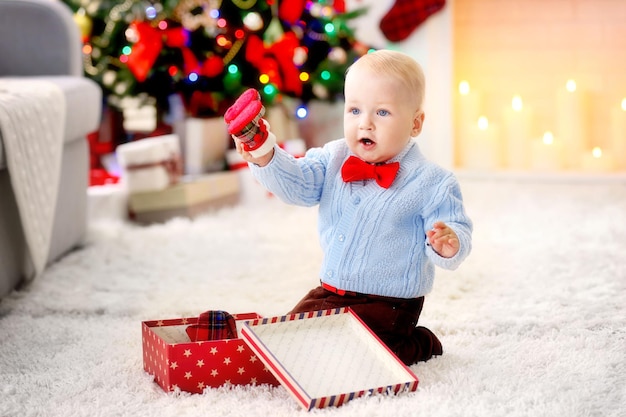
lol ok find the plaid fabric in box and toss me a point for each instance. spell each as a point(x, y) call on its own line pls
point(213, 325)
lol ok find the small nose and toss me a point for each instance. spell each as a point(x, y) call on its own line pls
point(365, 122)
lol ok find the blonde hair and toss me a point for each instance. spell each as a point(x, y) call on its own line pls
point(399, 65)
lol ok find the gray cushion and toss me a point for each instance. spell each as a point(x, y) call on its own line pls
point(38, 37)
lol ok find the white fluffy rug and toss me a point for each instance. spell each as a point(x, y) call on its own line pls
point(533, 323)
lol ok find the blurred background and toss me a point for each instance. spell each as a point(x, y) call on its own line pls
point(512, 85)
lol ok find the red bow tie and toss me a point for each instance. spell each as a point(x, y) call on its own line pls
point(355, 169)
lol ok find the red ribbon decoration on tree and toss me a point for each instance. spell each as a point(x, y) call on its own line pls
point(276, 61)
point(149, 45)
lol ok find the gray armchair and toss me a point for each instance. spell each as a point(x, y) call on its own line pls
point(40, 41)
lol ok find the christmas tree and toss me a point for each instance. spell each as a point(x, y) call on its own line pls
point(209, 51)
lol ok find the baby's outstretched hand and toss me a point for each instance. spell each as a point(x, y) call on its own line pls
point(443, 240)
point(248, 157)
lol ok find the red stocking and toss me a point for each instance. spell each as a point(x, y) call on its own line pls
point(406, 15)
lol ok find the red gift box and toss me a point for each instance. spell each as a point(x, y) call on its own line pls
point(177, 363)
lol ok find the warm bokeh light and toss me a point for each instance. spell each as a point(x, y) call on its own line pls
point(517, 103)
point(548, 138)
point(222, 41)
point(464, 87)
point(596, 152)
point(571, 86)
point(483, 123)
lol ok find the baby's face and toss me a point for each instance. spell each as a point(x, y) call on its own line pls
point(379, 117)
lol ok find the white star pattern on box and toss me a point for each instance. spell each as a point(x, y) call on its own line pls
point(187, 353)
point(240, 348)
point(241, 370)
point(200, 363)
point(214, 372)
point(188, 375)
point(213, 350)
point(227, 361)
point(173, 365)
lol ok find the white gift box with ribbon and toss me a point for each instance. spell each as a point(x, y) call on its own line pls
point(150, 164)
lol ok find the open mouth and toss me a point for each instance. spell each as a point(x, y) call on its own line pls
point(366, 142)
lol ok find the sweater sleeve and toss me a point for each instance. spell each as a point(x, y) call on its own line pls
point(447, 206)
point(297, 181)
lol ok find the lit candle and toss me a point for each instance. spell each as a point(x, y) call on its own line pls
point(598, 161)
point(468, 110)
point(484, 150)
point(618, 134)
point(470, 103)
point(517, 121)
point(547, 154)
point(572, 122)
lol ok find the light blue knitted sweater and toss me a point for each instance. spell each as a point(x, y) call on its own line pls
point(373, 239)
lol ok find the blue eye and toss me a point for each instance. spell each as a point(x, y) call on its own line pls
point(355, 111)
point(383, 112)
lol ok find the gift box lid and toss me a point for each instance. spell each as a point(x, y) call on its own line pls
point(326, 358)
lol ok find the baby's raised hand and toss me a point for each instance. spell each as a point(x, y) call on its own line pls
point(443, 240)
point(248, 157)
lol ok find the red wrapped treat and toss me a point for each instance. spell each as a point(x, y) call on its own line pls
point(245, 122)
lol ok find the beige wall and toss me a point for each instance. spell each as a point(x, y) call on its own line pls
point(532, 47)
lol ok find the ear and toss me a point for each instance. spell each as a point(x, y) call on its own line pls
point(418, 122)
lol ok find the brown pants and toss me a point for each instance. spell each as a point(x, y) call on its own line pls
point(393, 320)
